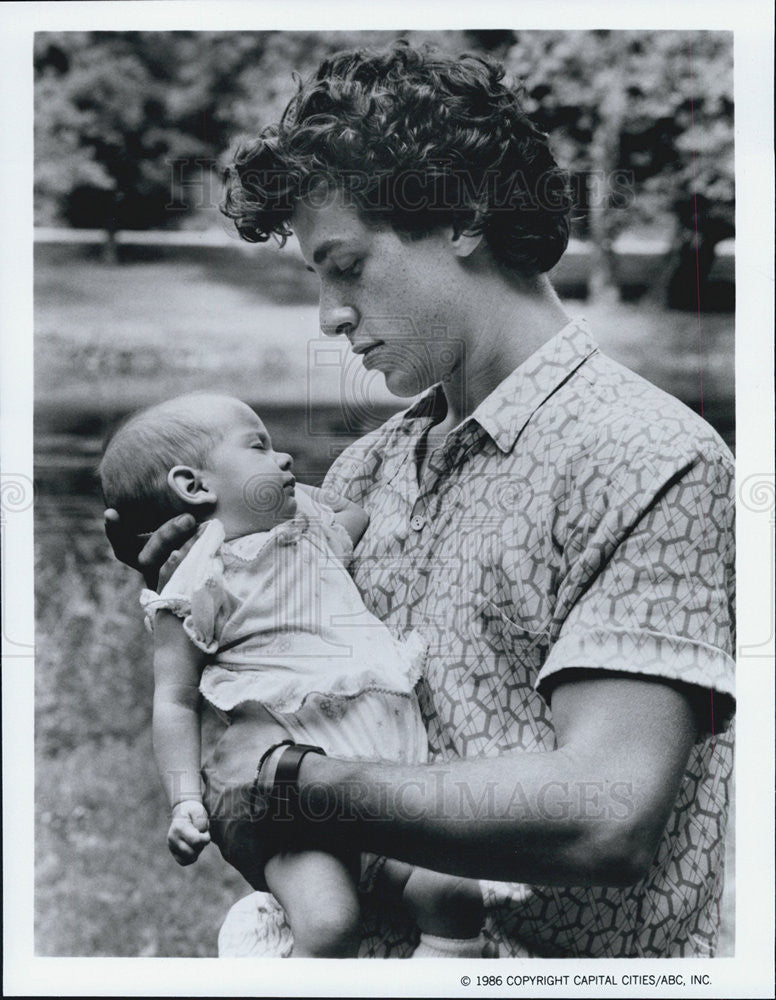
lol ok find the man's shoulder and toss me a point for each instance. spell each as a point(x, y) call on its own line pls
point(623, 414)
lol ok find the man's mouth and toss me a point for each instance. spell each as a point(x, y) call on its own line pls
point(364, 349)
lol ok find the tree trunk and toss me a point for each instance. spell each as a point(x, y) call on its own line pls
point(110, 248)
point(657, 293)
point(604, 157)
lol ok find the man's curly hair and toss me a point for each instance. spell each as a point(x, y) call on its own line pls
point(414, 139)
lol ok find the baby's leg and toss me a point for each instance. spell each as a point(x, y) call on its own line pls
point(447, 909)
point(318, 892)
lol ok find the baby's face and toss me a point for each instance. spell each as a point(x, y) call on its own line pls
point(253, 483)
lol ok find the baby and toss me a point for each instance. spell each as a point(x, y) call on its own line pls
point(262, 619)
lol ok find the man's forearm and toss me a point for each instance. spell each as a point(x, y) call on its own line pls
point(547, 818)
point(591, 812)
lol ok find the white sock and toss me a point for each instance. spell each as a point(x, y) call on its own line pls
point(440, 947)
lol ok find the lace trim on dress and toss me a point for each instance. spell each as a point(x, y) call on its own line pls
point(227, 687)
point(195, 591)
point(248, 548)
point(226, 693)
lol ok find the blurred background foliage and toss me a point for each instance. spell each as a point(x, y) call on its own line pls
point(126, 123)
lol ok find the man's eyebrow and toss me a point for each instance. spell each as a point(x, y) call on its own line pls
point(322, 252)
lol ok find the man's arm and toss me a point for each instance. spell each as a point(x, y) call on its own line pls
point(590, 812)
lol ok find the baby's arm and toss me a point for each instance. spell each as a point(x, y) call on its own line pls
point(354, 519)
point(178, 664)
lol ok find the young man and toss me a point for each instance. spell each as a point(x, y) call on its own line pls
point(559, 529)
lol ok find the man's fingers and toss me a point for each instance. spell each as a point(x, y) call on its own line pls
point(160, 546)
point(176, 558)
point(124, 544)
point(167, 570)
point(170, 536)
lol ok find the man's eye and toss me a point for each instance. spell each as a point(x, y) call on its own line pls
point(351, 271)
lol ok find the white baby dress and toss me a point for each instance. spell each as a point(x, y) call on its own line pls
point(285, 626)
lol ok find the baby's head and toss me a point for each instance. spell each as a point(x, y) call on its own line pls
point(202, 454)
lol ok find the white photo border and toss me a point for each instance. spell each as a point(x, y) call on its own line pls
point(750, 972)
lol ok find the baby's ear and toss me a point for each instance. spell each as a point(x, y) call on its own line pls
point(187, 484)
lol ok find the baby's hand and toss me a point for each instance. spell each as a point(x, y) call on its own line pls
point(188, 834)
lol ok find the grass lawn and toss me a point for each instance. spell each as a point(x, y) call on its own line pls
point(113, 337)
point(105, 882)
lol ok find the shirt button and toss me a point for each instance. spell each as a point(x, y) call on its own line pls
point(417, 522)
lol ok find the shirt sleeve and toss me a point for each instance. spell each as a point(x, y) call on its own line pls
point(647, 585)
point(195, 592)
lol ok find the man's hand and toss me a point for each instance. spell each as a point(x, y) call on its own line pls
point(156, 556)
point(188, 834)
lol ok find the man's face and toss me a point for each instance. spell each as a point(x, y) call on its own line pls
point(394, 299)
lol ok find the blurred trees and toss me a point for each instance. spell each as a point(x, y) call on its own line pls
point(108, 123)
point(644, 121)
point(128, 124)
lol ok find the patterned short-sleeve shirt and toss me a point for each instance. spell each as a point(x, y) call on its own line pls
point(579, 518)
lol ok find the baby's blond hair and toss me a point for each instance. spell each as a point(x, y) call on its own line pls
point(139, 454)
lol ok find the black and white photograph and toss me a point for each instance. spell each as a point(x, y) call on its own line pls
point(387, 432)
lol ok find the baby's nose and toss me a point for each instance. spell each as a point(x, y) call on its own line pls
point(284, 460)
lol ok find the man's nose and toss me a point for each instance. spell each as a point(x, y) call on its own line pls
point(339, 319)
point(284, 460)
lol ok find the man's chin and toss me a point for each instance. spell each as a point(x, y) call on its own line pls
point(405, 385)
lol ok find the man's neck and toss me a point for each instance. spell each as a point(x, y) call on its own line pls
point(507, 329)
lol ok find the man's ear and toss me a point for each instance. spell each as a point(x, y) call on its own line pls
point(187, 484)
point(463, 245)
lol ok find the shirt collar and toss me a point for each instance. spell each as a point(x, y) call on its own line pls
point(505, 412)
point(427, 404)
